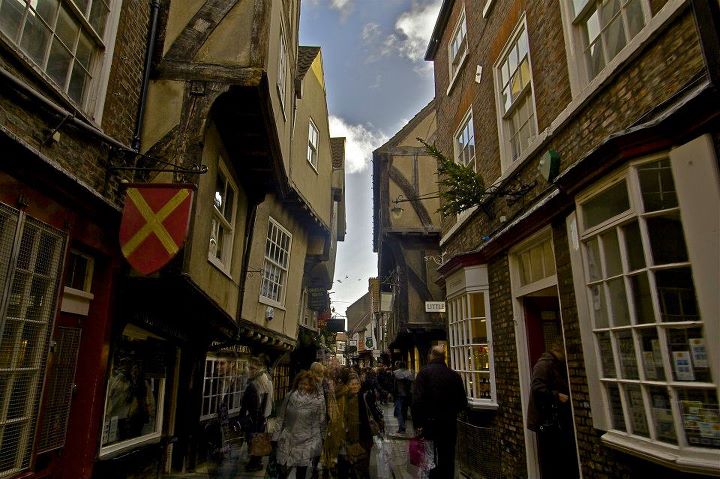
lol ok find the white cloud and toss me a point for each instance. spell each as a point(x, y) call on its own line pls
point(342, 6)
point(370, 32)
point(414, 29)
point(360, 141)
point(410, 39)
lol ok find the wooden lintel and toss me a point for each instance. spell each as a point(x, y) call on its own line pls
point(235, 75)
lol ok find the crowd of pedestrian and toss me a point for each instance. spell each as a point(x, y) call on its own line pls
point(327, 421)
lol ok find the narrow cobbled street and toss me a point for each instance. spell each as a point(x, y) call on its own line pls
point(397, 463)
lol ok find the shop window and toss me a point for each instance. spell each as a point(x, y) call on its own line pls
point(277, 261)
point(224, 382)
point(222, 229)
point(30, 275)
point(515, 98)
point(646, 334)
point(135, 391)
point(470, 340)
point(65, 40)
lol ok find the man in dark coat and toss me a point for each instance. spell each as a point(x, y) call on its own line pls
point(549, 415)
point(438, 396)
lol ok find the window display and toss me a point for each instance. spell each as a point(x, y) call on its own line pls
point(133, 408)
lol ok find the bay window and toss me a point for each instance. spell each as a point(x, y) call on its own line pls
point(646, 277)
point(470, 334)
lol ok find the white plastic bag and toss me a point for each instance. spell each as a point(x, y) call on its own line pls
point(382, 457)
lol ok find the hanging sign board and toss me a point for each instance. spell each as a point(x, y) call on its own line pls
point(154, 224)
point(434, 306)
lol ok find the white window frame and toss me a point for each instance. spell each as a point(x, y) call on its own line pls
point(456, 61)
point(227, 226)
point(694, 168)
point(460, 285)
point(152, 437)
point(313, 153)
point(282, 281)
point(575, 43)
point(238, 381)
point(282, 69)
point(466, 123)
point(75, 300)
point(92, 102)
point(527, 94)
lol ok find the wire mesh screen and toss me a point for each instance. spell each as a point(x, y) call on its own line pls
point(60, 385)
point(30, 295)
point(478, 454)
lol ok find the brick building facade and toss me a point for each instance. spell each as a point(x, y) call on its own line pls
point(63, 124)
point(518, 83)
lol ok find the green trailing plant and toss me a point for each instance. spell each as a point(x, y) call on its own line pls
point(460, 187)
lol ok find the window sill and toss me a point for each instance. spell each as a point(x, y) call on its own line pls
point(315, 169)
point(109, 452)
point(692, 460)
point(461, 219)
point(76, 301)
point(460, 67)
point(220, 267)
point(482, 405)
point(270, 302)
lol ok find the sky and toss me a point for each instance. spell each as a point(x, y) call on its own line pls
point(376, 80)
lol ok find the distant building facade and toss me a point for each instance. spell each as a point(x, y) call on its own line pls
point(406, 225)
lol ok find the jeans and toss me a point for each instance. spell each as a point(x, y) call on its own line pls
point(401, 408)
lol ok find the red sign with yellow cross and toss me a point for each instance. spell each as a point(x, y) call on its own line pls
point(154, 224)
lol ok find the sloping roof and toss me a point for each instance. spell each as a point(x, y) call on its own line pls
point(409, 126)
point(337, 147)
point(440, 25)
point(306, 56)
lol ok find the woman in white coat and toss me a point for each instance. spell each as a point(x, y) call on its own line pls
point(303, 427)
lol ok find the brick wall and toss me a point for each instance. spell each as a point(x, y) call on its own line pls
point(78, 152)
point(664, 67)
point(126, 75)
point(659, 71)
point(508, 420)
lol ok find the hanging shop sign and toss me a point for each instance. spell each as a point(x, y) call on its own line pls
point(434, 306)
point(154, 224)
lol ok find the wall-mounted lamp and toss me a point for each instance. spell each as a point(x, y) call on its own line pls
point(398, 210)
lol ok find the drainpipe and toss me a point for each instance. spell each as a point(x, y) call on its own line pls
point(149, 52)
point(247, 247)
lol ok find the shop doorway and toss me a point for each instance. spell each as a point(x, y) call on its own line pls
point(542, 322)
point(537, 313)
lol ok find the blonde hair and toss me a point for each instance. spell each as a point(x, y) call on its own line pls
point(317, 368)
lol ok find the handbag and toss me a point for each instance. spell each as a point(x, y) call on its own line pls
point(355, 452)
point(416, 451)
point(375, 429)
point(551, 421)
point(260, 444)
